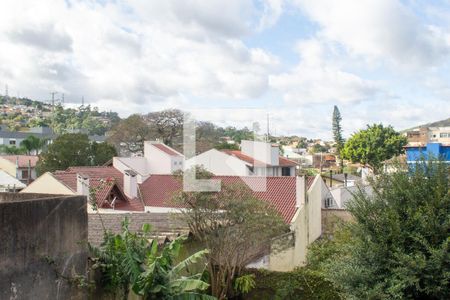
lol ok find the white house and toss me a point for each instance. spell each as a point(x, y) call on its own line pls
point(158, 159)
point(254, 158)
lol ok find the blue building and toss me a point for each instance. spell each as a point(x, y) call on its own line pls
point(430, 150)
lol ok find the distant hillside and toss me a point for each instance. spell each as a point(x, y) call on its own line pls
point(441, 123)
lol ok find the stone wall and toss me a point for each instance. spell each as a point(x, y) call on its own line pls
point(163, 224)
point(43, 247)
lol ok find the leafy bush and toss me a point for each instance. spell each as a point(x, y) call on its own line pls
point(301, 283)
point(133, 260)
point(398, 246)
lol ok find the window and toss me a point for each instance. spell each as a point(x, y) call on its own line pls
point(286, 171)
point(328, 202)
point(24, 174)
point(444, 134)
point(12, 142)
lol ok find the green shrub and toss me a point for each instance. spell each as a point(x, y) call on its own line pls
point(301, 283)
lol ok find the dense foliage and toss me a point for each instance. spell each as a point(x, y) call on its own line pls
point(398, 246)
point(301, 283)
point(74, 149)
point(373, 145)
point(134, 260)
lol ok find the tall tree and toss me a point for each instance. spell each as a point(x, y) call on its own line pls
point(398, 245)
point(129, 135)
point(374, 145)
point(337, 132)
point(234, 225)
point(167, 126)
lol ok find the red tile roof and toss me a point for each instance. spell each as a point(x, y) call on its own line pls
point(283, 162)
point(23, 160)
point(166, 149)
point(158, 191)
point(96, 176)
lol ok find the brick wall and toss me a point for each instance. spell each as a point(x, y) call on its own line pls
point(163, 224)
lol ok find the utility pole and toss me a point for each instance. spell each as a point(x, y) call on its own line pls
point(268, 132)
point(62, 99)
point(6, 91)
point(82, 100)
point(53, 100)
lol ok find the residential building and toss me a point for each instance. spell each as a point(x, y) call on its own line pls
point(324, 161)
point(415, 152)
point(14, 138)
point(423, 135)
point(254, 159)
point(22, 167)
point(342, 179)
point(120, 192)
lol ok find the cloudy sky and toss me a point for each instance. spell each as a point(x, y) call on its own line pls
point(234, 61)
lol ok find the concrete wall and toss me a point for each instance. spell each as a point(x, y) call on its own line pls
point(47, 183)
point(219, 163)
point(43, 240)
point(307, 227)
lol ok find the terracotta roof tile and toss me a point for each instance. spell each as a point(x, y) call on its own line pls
point(96, 176)
point(158, 191)
point(22, 159)
point(166, 149)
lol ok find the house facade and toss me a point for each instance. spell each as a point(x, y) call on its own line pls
point(254, 159)
point(22, 167)
point(423, 135)
point(415, 153)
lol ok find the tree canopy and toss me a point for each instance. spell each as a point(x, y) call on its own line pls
point(73, 149)
point(398, 245)
point(373, 145)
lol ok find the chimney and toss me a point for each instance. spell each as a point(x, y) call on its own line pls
point(130, 183)
point(82, 185)
point(300, 190)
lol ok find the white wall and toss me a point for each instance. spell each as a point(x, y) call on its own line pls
point(219, 163)
point(261, 151)
point(159, 162)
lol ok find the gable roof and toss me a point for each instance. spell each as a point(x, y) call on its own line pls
point(166, 149)
point(158, 190)
point(97, 175)
point(283, 162)
point(22, 160)
point(9, 181)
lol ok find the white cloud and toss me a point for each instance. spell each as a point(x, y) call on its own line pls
point(379, 30)
point(136, 51)
point(317, 79)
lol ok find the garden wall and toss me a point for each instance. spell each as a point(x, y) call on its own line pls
point(43, 249)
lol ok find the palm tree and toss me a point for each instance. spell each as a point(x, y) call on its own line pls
point(32, 143)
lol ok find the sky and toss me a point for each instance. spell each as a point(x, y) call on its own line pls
point(234, 62)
